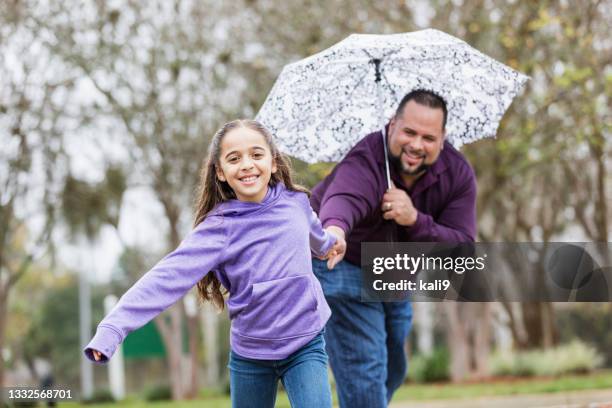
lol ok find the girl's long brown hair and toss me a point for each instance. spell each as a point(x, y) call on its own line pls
point(213, 191)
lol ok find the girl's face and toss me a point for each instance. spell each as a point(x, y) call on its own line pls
point(246, 163)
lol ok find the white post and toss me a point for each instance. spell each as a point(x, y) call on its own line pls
point(423, 320)
point(116, 366)
point(501, 330)
point(85, 332)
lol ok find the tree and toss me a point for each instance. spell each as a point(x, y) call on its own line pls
point(535, 180)
point(33, 91)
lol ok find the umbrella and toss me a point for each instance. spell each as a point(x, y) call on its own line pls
point(321, 106)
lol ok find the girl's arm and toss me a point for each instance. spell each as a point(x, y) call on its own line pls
point(326, 243)
point(321, 241)
point(337, 252)
point(172, 277)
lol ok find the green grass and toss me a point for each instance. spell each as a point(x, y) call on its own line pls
point(510, 386)
point(414, 392)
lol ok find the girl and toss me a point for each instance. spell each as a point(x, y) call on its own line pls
point(254, 233)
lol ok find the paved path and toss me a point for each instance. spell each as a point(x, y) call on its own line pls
point(570, 399)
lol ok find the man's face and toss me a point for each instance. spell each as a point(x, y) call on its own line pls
point(416, 139)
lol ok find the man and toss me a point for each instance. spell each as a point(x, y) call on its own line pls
point(432, 199)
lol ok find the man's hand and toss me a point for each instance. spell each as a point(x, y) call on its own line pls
point(337, 252)
point(397, 206)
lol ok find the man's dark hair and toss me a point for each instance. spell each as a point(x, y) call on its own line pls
point(425, 98)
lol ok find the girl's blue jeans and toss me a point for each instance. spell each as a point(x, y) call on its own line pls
point(253, 383)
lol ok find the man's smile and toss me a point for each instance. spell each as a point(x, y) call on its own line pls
point(412, 158)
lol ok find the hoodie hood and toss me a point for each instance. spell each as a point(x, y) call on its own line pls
point(236, 208)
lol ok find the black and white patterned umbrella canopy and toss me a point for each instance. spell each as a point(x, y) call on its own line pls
point(323, 105)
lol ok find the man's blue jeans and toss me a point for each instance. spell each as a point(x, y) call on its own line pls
point(365, 340)
point(253, 383)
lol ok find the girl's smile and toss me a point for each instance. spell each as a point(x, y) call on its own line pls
point(249, 180)
point(246, 164)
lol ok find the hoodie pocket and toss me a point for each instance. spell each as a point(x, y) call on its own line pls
point(280, 308)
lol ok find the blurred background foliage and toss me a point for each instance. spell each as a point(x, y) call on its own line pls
point(103, 100)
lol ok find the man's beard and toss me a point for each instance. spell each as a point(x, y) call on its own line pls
point(396, 163)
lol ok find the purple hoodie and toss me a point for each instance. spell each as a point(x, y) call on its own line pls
point(261, 252)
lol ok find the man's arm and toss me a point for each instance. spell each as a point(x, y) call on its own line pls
point(351, 195)
point(456, 222)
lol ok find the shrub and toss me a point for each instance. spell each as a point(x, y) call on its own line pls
point(572, 358)
point(430, 368)
point(159, 392)
point(589, 322)
point(100, 396)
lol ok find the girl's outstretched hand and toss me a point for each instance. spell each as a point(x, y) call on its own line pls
point(96, 354)
point(336, 253)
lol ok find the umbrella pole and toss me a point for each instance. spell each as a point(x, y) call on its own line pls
point(381, 119)
point(384, 137)
point(391, 233)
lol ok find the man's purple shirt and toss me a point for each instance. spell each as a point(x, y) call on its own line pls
point(351, 198)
